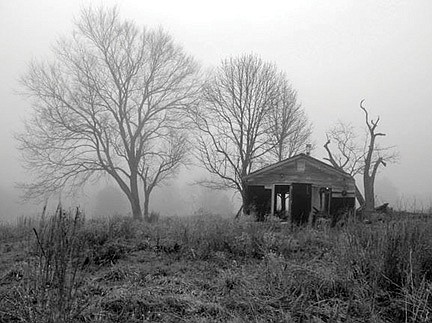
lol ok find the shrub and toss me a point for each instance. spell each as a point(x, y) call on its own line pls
point(109, 253)
point(154, 217)
point(108, 240)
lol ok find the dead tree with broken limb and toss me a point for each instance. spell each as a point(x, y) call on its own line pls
point(374, 158)
point(358, 156)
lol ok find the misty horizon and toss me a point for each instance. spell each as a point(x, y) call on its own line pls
point(333, 54)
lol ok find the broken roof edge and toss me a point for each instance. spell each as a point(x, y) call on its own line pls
point(292, 159)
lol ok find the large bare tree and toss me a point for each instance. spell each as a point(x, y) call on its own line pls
point(107, 104)
point(236, 120)
point(290, 130)
point(359, 156)
point(232, 119)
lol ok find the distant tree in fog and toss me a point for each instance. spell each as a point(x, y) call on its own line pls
point(359, 156)
point(109, 103)
point(248, 116)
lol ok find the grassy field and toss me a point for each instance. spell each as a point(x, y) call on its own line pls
point(205, 268)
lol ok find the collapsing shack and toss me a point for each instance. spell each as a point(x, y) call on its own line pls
point(297, 188)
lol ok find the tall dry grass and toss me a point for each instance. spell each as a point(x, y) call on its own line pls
point(256, 271)
point(389, 267)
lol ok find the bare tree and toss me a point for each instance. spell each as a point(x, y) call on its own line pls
point(290, 129)
point(107, 104)
point(232, 120)
point(236, 121)
point(374, 157)
point(359, 156)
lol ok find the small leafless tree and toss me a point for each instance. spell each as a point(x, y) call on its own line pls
point(359, 156)
point(290, 128)
point(108, 104)
point(348, 153)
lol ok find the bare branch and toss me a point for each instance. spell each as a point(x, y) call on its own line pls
point(289, 129)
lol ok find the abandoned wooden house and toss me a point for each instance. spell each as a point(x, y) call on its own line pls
point(297, 188)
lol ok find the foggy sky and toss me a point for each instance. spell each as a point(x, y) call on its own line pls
point(335, 53)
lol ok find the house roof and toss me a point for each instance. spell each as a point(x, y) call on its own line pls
point(293, 160)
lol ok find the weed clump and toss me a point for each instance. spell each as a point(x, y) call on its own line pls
point(49, 283)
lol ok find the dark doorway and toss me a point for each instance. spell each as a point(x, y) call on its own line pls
point(258, 201)
point(301, 203)
point(341, 204)
point(325, 198)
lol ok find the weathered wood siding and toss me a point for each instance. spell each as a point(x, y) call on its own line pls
point(304, 171)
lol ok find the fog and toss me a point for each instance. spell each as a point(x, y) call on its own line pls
point(334, 53)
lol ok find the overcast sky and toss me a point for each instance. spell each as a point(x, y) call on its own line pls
point(334, 52)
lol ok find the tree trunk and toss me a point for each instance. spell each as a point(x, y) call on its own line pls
point(244, 208)
point(369, 195)
point(136, 208)
point(359, 196)
point(134, 198)
point(146, 206)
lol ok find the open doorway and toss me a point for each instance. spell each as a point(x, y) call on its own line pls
point(301, 203)
point(325, 199)
point(282, 201)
